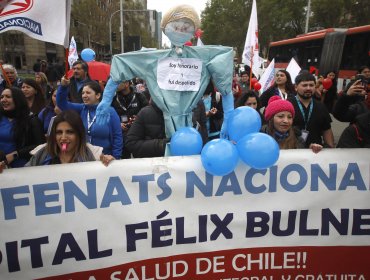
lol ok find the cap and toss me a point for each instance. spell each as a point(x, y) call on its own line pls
point(277, 105)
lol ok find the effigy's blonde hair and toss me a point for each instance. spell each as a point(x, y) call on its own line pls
point(179, 12)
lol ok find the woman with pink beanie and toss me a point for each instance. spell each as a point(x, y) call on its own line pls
point(279, 115)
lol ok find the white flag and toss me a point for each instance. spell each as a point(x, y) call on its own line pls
point(268, 77)
point(40, 19)
point(72, 53)
point(199, 42)
point(251, 48)
point(293, 69)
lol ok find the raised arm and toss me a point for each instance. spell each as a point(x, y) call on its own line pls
point(102, 112)
point(62, 97)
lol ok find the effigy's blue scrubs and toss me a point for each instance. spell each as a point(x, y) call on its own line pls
point(176, 81)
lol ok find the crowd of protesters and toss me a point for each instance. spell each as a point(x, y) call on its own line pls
point(51, 122)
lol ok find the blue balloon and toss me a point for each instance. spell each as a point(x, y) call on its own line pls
point(186, 141)
point(243, 120)
point(88, 55)
point(219, 157)
point(258, 150)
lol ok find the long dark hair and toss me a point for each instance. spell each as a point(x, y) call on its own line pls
point(20, 116)
point(335, 80)
point(289, 87)
point(50, 106)
point(39, 101)
point(74, 120)
point(244, 97)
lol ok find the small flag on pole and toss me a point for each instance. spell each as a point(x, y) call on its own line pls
point(72, 54)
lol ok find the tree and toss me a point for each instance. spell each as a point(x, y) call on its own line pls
point(346, 13)
point(93, 23)
point(226, 22)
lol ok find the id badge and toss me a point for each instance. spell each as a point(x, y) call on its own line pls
point(304, 134)
point(89, 139)
point(124, 119)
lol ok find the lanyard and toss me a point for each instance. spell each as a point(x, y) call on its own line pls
point(282, 95)
point(129, 105)
point(89, 123)
point(303, 114)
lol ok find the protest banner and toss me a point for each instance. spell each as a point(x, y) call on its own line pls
point(250, 55)
point(42, 20)
point(306, 218)
point(268, 77)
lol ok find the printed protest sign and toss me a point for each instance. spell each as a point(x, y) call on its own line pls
point(181, 74)
point(306, 218)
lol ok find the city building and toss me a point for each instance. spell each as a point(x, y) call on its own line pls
point(90, 25)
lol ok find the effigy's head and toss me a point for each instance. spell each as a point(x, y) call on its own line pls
point(180, 23)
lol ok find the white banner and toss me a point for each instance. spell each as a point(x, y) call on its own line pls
point(180, 74)
point(251, 47)
point(40, 19)
point(293, 69)
point(268, 77)
point(147, 218)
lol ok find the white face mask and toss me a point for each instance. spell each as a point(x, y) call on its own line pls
point(179, 31)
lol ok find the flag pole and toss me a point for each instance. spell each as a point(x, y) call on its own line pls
point(66, 61)
point(5, 76)
point(251, 72)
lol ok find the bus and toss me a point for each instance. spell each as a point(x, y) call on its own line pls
point(340, 50)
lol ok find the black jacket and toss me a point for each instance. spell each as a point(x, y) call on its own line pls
point(200, 120)
point(347, 108)
point(147, 136)
point(30, 139)
point(356, 135)
point(129, 105)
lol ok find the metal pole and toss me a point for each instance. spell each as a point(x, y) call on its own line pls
point(308, 15)
point(122, 38)
point(110, 35)
point(110, 31)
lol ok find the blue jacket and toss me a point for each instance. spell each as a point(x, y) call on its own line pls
point(109, 137)
point(45, 117)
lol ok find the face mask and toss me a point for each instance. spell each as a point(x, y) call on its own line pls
point(176, 37)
